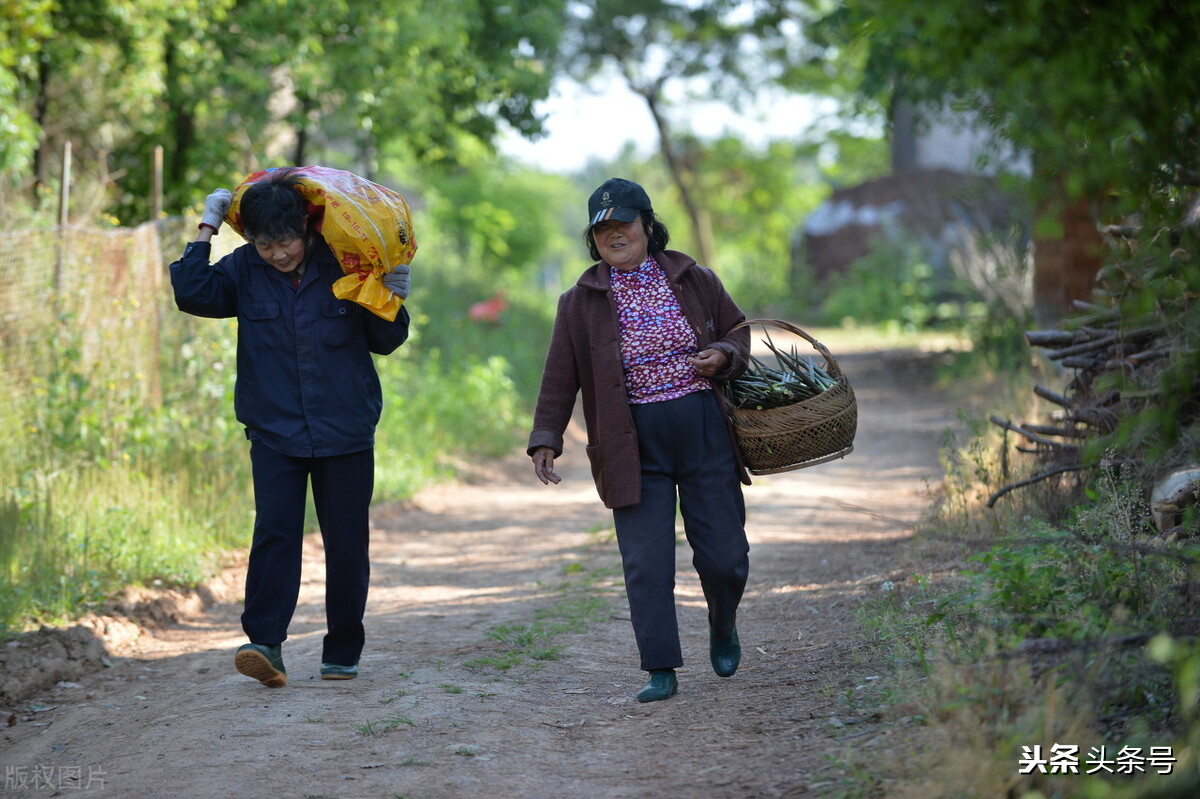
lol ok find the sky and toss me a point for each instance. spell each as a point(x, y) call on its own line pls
point(585, 124)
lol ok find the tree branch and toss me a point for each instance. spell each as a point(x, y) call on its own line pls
point(1034, 437)
point(1061, 432)
point(1047, 394)
point(1054, 646)
point(1074, 467)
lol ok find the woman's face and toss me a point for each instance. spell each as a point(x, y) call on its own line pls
point(622, 244)
point(285, 254)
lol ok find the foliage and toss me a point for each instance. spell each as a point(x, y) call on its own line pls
point(1155, 286)
point(758, 196)
point(1105, 96)
point(490, 232)
point(727, 44)
point(22, 24)
point(505, 228)
point(724, 49)
point(226, 88)
point(94, 498)
point(1106, 99)
point(453, 410)
point(1031, 631)
point(895, 286)
point(105, 485)
point(847, 158)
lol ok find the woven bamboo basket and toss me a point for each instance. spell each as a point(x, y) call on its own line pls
point(806, 433)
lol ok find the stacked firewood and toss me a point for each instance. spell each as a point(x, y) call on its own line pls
point(1112, 362)
point(1131, 355)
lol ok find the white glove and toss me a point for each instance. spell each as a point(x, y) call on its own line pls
point(215, 208)
point(398, 281)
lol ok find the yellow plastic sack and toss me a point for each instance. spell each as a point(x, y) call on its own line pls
point(368, 227)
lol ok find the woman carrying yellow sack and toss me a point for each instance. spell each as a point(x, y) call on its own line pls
point(309, 397)
point(368, 228)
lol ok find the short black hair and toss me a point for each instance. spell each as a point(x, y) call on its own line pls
point(656, 234)
point(274, 209)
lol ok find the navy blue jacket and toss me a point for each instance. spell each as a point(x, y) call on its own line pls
point(306, 383)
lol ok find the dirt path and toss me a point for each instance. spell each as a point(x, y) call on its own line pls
point(461, 578)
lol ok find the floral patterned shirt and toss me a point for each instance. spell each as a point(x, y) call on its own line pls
point(656, 339)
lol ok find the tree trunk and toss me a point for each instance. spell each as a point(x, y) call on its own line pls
point(904, 138)
point(1068, 251)
point(704, 254)
point(300, 153)
point(181, 127)
point(41, 104)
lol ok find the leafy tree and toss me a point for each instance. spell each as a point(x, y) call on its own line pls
point(723, 49)
point(226, 86)
point(79, 73)
point(296, 81)
point(1106, 95)
point(760, 195)
point(494, 221)
point(22, 25)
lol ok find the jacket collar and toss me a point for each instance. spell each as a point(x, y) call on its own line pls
point(673, 263)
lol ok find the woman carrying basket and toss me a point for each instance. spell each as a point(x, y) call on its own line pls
point(642, 336)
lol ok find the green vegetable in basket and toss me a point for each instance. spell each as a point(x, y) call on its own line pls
point(761, 387)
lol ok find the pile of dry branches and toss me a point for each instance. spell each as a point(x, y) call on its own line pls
point(1091, 406)
point(1133, 393)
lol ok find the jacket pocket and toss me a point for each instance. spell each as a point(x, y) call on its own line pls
point(596, 459)
point(340, 323)
point(260, 325)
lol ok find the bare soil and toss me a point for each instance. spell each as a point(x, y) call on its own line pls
point(449, 704)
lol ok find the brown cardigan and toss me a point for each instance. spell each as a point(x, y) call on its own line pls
point(585, 357)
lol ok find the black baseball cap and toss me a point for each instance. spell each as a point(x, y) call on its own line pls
point(619, 199)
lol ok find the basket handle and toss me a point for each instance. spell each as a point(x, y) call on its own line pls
point(835, 371)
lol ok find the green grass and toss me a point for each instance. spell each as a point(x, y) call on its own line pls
point(100, 488)
point(121, 462)
point(1042, 621)
point(584, 598)
point(370, 728)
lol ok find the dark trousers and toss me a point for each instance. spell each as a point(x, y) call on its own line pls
point(342, 486)
point(686, 455)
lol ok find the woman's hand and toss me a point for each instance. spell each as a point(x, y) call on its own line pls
point(709, 362)
point(216, 205)
point(543, 466)
point(399, 280)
